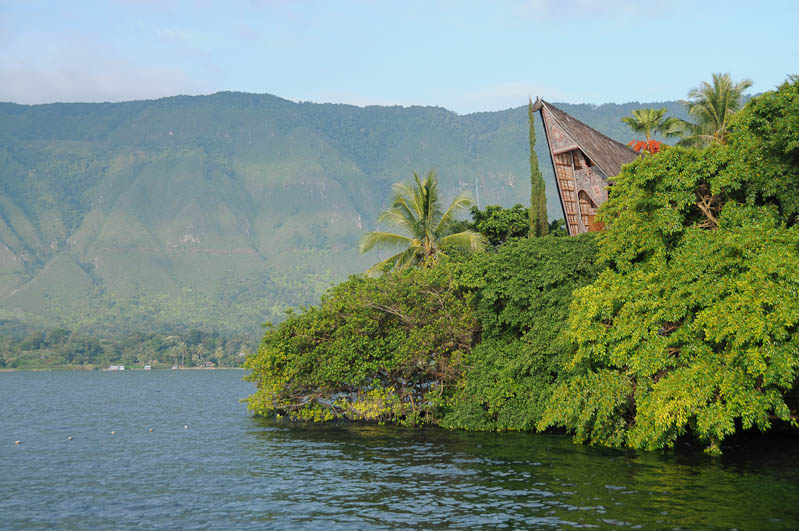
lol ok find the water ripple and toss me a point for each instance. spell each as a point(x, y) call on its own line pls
point(231, 471)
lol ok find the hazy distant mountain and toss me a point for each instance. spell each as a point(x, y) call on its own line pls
point(219, 211)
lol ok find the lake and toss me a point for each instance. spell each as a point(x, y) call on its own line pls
point(208, 464)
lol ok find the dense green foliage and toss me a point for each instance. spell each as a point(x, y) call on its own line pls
point(219, 212)
point(711, 107)
point(381, 349)
point(680, 319)
point(693, 327)
point(522, 296)
point(499, 224)
point(401, 347)
point(764, 151)
point(539, 219)
point(429, 229)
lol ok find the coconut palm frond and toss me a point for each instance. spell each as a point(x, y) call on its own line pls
point(634, 124)
point(432, 208)
point(692, 135)
point(468, 239)
point(459, 204)
point(408, 259)
point(711, 106)
point(652, 121)
point(400, 217)
point(671, 127)
point(401, 191)
point(420, 196)
point(398, 262)
point(417, 210)
point(415, 203)
point(407, 197)
point(380, 239)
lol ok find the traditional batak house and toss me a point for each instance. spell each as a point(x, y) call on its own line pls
point(584, 161)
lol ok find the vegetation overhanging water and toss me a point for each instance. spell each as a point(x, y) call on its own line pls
point(679, 319)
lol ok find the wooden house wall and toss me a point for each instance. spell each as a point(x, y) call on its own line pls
point(582, 186)
point(564, 171)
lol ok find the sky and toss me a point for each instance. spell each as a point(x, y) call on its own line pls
point(461, 55)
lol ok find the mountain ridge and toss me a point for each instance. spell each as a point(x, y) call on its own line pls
point(220, 211)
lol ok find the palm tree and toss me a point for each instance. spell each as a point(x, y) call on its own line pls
point(652, 121)
point(416, 210)
point(712, 106)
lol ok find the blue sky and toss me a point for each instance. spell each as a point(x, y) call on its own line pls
point(465, 56)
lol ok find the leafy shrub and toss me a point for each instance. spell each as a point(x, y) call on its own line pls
point(522, 296)
point(499, 224)
point(381, 349)
point(692, 326)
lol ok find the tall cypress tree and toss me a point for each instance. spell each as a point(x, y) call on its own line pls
point(539, 222)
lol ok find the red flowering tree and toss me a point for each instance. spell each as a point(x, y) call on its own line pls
point(642, 146)
point(649, 122)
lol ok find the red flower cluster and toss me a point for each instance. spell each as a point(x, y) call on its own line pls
point(653, 146)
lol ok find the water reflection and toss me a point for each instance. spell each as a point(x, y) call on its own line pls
point(229, 470)
point(433, 477)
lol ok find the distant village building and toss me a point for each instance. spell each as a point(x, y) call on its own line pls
point(584, 161)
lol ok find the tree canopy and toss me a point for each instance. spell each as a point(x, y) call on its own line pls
point(649, 122)
point(679, 319)
point(539, 219)
point(692, 325)
point(379, 349)
point(499, 224)
point(416, 209)
point(522, 297)
point(712, 106)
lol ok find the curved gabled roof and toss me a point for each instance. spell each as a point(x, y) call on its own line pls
point(603, 151)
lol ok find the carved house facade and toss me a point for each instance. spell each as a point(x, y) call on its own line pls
point(584, 161)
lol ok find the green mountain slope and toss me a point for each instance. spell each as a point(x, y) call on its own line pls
point(220, 211)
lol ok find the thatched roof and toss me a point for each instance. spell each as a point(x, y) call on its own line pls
point(605, 152)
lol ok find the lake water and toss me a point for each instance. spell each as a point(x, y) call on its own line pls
point(230, 470)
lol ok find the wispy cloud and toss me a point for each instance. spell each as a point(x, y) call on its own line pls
point(95, 83)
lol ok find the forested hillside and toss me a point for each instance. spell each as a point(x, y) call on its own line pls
point(218, 212)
